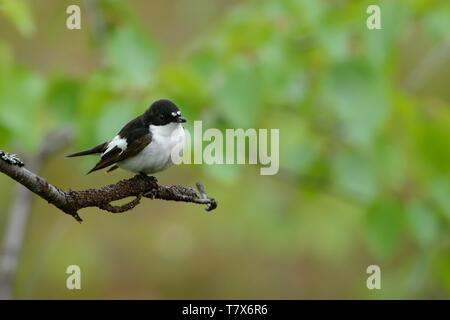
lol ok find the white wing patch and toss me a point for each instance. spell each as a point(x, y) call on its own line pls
point(118, 142)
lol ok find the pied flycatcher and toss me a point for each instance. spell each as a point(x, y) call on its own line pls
point(145, 144)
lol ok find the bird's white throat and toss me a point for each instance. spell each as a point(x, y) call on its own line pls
point(166, 130)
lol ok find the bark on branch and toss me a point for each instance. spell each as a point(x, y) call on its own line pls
point(71, 201)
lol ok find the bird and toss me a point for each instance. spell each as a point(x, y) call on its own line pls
point(145, 144)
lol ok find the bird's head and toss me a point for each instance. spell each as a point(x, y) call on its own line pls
point(163, 112)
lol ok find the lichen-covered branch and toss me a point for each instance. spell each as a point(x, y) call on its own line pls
point(71, 201)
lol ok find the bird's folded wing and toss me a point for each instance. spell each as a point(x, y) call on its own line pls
point(116, 154)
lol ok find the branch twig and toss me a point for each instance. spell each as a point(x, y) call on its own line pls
point(71, 202)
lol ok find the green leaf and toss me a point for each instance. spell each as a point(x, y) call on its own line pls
point(63, 98)
point(439, 190)
point(335, 39)
point(385, 221)
point(357, 95)
point(131, 57)
point(380, 44)
point(20, 96)
point(239, 97)
point(423, 223)
point(354, 173)
point(279, 85)
point(389, 162)
point(437, 23)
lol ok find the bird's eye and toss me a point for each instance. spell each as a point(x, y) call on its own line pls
point(161, 117)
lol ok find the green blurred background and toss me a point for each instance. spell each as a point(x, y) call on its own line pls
point(364, 125)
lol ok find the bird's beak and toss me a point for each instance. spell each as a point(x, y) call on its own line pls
point(180, 120)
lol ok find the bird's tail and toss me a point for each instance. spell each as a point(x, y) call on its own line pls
point(98, 149)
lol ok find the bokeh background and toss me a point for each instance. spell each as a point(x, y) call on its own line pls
point(364, 125)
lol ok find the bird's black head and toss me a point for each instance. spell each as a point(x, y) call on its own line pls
point(163, 112)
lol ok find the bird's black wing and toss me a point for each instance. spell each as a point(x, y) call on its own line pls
point(134, 127)
point(131, 129)
point(137, 139)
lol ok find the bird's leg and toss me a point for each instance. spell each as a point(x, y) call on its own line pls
point(152, 193)
point(145, 176)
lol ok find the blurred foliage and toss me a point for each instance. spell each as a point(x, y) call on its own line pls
point(19, 14)
point(364, 154)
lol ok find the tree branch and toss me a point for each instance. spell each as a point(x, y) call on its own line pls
point(70, 202)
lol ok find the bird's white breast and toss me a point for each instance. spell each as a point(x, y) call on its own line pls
point(157, 156)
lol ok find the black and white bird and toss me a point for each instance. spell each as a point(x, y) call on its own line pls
point(145, 144)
